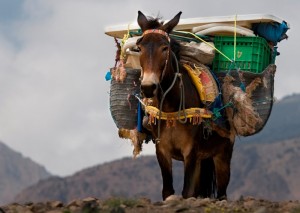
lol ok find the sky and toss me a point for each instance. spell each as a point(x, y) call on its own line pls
point(54, 100)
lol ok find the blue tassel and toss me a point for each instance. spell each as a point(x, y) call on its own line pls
point(108, 76)
point(242, 86)
point(139, 118)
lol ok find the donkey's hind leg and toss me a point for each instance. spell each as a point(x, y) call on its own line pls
point(222, 168)
point(165, 163)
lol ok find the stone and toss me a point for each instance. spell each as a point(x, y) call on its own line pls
point(75, 203)
point(173, 197)
point(201, 202)
point(249, 204)
point(89, 199)
point(191, 199)
point(56, 204)
point(144, 200)
point(54, 211)
point(261, 210)
point(221, 203)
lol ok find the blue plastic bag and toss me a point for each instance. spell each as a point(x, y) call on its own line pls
point(273, 32)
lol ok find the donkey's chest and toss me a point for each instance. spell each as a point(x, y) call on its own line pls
point(179, 140)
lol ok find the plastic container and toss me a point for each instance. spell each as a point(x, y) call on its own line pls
point(253, 54)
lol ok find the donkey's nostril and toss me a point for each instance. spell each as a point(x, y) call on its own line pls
point(148, 90)
point(153, 87)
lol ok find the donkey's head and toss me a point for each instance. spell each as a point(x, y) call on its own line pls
point(155, 49)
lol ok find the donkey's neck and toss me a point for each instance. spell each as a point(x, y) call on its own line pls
point(173, 99)
point(169, 91)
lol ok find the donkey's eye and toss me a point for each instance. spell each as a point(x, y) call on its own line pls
point(165, 48)
point(138, 48)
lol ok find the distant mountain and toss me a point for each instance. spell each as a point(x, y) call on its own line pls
point(265, 165)
point(269, 171)
point(124, 177)
point(284, 122)
point(17, 173)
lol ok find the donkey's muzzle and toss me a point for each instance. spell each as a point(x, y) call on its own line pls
point(149, 90)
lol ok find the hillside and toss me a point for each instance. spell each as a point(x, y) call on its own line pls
point(268, 171)
point(124, 177)
point(17, 173)
point(263, 165)
point(284, 122)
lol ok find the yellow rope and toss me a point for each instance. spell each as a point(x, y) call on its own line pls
point(234, 47)
point(125, 38)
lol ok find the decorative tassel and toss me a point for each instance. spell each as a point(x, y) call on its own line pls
point(135, 137)
point(139, 118)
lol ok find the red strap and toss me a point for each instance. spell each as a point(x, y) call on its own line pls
point(157, 31)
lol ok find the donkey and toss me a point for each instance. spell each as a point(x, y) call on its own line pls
point(206, 158)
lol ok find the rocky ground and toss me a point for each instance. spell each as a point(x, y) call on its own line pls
point(142, 205)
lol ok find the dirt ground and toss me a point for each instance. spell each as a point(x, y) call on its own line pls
point(142, 205)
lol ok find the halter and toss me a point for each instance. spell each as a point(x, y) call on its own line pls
point(160, 114)
point(157, 31)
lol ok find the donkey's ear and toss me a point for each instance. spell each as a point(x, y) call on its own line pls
point(142, 21)
point(168, 27)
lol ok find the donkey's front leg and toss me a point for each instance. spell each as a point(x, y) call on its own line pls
point(192, 169)
point(165, 163)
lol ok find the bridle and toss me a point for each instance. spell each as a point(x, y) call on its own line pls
point(177, 75)
point(157, 31)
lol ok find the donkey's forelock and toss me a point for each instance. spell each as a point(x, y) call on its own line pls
point(154, 23)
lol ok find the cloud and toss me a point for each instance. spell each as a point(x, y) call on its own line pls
point(54, 99)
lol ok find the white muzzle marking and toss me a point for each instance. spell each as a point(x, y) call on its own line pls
point(149, 79)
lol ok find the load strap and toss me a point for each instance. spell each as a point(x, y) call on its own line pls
point(195, 115)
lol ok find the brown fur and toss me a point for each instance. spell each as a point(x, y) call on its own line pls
point(205, 157)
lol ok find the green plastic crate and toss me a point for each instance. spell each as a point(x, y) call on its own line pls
point(253, 54)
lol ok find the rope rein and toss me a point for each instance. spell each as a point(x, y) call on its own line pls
point(182, 114)
point(177, 75)
point(182, 96)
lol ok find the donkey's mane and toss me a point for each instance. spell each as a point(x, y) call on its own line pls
point(154, 22)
